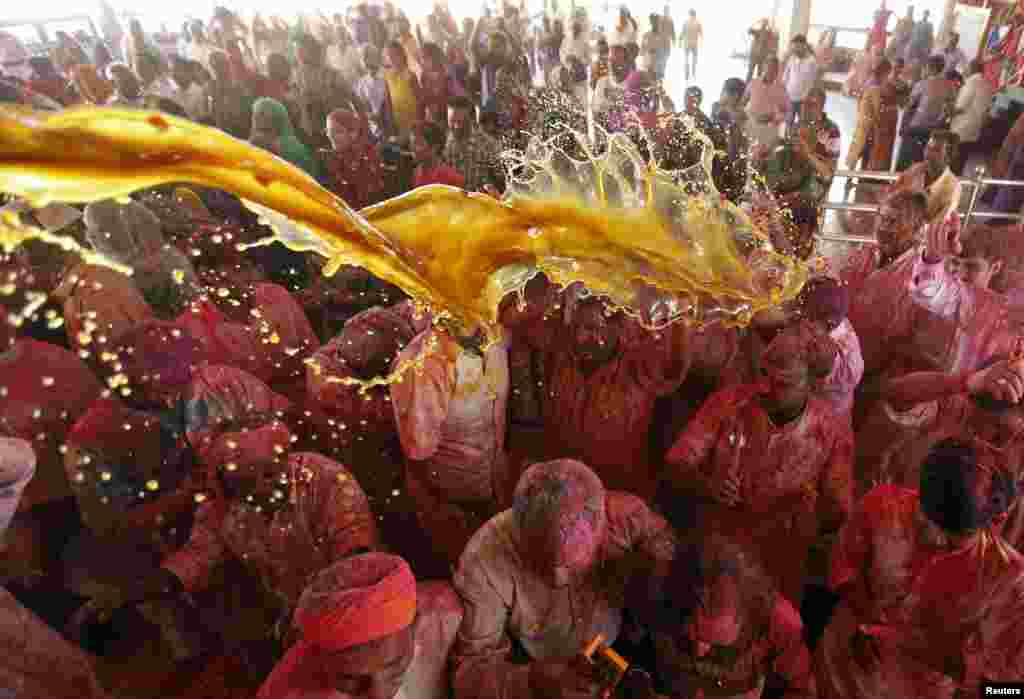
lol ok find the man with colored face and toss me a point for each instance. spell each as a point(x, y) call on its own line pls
point(603, 374)
point(769, 462)
point(958, 625)
point(368, 630)
point(825, 303)
point(550, 573)
point(720, 626)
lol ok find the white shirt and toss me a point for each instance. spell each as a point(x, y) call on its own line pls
point(692, 32)
point(622, 38)
point(975, 99)
point(800, 76)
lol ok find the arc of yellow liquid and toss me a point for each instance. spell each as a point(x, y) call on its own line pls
point(457, 252)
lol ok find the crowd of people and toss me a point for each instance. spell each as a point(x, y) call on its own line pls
point(823, 503)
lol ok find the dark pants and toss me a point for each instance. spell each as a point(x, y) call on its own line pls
point(794, 116)
point(912, 147)
point(963, 156)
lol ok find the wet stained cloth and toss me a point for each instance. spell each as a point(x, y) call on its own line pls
point(878, 555)
point(219, 394)
point(962, 623)
point(272, 343)
point(327, 518)
point(795, 480)
point(31, 651)
point(451, 418)
point(100, 303)
point(842, 382)
point(127, 473)
point(773, 645)
point(45, 390)
point(603, 418)
point(365, 420)
point(936, 321)
point(505, 600)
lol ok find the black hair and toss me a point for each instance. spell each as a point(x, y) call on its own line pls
point(948, 489)
point(672, 599)
point(734, 87)
point(460, 102)
point(937, 64)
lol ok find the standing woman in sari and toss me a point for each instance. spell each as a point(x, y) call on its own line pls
point(272, 129)
point(878, 114)
point(404, 88)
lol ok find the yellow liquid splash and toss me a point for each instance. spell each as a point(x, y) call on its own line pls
point(645, 238)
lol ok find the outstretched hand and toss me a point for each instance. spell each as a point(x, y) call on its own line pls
point(1003, 381)
point(942, 239)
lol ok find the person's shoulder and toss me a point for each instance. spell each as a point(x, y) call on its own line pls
point(437, 604)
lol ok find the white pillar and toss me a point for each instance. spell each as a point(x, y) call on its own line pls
point(801, 19)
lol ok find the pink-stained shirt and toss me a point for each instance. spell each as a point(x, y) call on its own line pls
point(875, 561)
point(963, 622)
point(776, 646)
point(873, 288)
point(44, 390)
point(224, 393)
point(956, 325)
point(505, 599)
point(272, 345)
point(451, 415)
point(328, 519)
point(795, 480)
point(840, 385)
point(932, 320)
point(604, 418)
point(35, 661)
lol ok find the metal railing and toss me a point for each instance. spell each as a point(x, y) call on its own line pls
point(977, 185)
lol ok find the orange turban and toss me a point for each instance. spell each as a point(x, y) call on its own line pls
point(353, 602)
point(356, 601)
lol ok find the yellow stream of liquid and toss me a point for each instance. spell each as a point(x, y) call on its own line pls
point(614, 222)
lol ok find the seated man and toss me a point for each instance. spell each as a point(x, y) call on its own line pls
point(803, 169)
point(549, 574)
point(368, 630)
point(721, 626)
point(895, 532)
point(933, 174)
